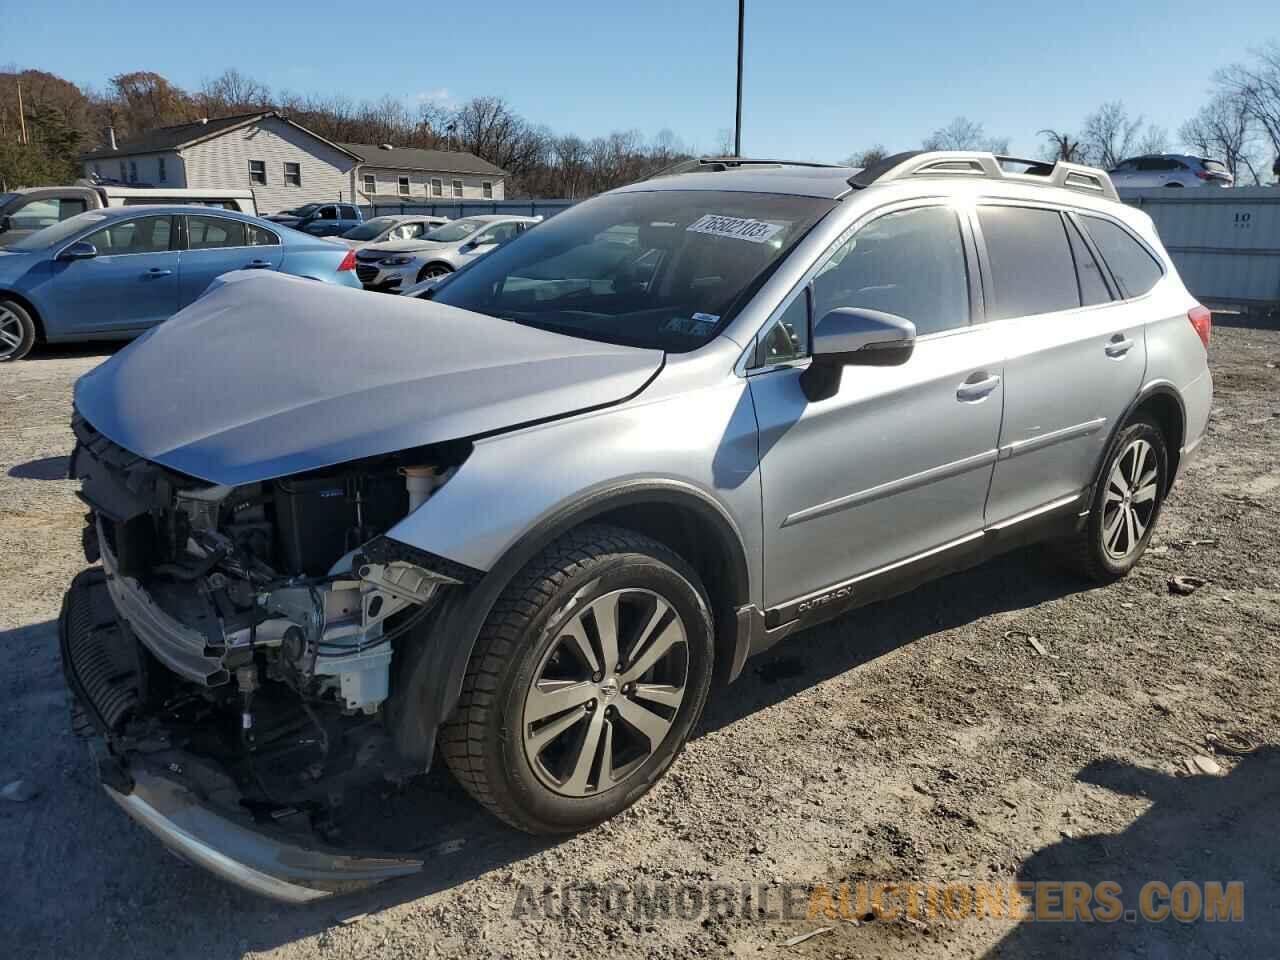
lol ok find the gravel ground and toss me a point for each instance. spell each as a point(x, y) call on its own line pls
point(920, 740)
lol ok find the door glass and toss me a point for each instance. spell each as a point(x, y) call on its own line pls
point(1093, 289)
point(1031, 267)
point(909, 263)
point(144, 235)
point(39, 214)
point(328, 213)
point(262, 237)
point(209, 233)
point(1133, 267)
point(788, 337)
point(499, 234)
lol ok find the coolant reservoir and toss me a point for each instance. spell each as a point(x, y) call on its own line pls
point(420, 481)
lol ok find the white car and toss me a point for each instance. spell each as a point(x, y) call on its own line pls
point(393, 266)
point(1171, 170)
point(389, 228)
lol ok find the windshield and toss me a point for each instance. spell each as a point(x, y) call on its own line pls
point(664, 269)
point(57, 232)
point(370, 228)
point(453, 232)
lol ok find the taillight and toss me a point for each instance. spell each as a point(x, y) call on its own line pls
point(348, 262)
point(1202, 320)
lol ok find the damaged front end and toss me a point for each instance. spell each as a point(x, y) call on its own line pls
point(235, 651)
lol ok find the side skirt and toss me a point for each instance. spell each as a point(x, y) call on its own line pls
point(1054, 520)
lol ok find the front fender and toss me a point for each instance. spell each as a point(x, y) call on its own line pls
point(520, 491)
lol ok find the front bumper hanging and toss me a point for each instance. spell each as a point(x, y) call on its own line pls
point(159, 789)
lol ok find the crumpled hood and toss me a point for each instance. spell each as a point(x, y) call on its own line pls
point(268, 375)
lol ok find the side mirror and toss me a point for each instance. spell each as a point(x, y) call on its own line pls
point(853, 336)
point(80, 250)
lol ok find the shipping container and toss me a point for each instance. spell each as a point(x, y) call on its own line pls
point(1225, 243)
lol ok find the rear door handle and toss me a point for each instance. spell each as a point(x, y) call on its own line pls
point(1119, 346)
point(155, 273)
point(977, 386)
point(257, 265)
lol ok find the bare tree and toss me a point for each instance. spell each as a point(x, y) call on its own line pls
point(1257, 86)
point(865, 158)
point(231, 93)
point(965, 134)
point(1154, 140)
point(1060, 146)
point(1225, 130)
point(1110, 134)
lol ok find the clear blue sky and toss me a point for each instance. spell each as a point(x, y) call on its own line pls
point(823, 77)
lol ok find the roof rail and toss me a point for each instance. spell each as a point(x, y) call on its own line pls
point(720, 164)
point(965, 163)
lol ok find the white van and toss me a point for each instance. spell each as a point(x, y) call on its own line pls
point(25, 211)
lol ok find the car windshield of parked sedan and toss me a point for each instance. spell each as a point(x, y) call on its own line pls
point(370, 228)
point(663, 269)
point(56, 233)
point(453, 232)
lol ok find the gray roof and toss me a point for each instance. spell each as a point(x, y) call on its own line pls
point(432, 161)
point(184, 134)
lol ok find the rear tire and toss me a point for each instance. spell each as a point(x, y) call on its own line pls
point(549, 735)
point(1127, 498)
point(17, 331)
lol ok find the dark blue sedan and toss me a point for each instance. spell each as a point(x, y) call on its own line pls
point(114, 273)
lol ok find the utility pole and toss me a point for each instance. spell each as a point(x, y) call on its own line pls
point(737, 126)
point(22, 120)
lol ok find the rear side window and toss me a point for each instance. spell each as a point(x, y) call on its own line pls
point(209, 233)
point(1136, 270)
point(909, 263)
point(1032, 270)
point(1093, 288)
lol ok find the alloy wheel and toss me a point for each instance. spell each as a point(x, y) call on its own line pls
point(1132, 493)
point(11, 332)
point(606, 692)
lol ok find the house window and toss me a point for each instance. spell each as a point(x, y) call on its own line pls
point(370, 184)
point(292, 174)
point(162, 173)
point(258, 172)
point(133, 171)
point(457, 189)
point(437, 187)
point(404, 186)
point(486, 187)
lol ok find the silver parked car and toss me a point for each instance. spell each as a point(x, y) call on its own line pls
point(393, 266)
point(1171, 170)
point(523, 521)
point(389, 228)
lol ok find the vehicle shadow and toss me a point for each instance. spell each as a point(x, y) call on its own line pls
point(65, 351)
point(1201, 829)
point(46, 468)
point(100, 854)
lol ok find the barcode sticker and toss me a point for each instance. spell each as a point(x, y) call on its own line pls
point(736, 228)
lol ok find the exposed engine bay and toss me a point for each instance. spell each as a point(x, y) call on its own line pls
point(263, 619)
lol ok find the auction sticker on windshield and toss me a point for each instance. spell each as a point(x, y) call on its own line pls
point(738, 228)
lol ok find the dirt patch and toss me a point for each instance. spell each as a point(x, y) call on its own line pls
point(922, 740)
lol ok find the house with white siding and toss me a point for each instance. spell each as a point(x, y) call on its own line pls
point(287, 165)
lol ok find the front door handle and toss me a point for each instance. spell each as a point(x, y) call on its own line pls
point(155, 273)
point(1118, 346)
point(978, 386)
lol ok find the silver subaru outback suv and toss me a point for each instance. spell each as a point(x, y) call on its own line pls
point(523, 522)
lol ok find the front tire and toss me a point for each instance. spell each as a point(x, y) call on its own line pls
point(586, 680)
point(433, 271)
point(17, 331)
point(1127, 498)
